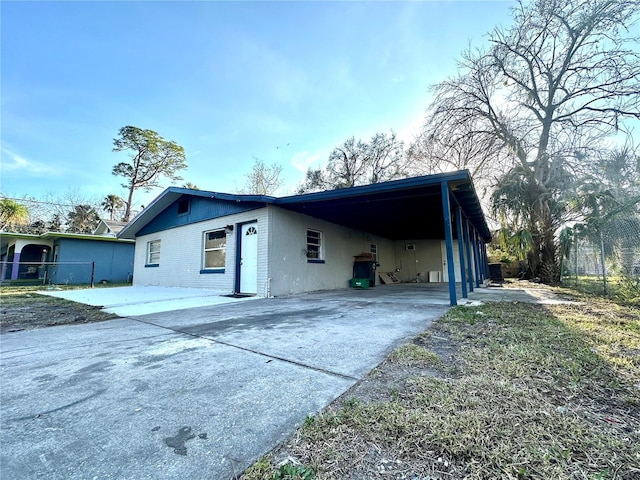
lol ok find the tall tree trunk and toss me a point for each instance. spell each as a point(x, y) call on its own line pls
point(127, 212)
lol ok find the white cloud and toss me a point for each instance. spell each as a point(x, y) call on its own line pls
point(13, 162)
point(301, 161)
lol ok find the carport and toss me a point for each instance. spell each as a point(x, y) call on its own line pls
point(442, 207)
point(436, 207)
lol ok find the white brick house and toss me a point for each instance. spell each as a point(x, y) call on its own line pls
point(271, 246)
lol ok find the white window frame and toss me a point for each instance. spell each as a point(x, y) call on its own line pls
point(205, 249)
point(373, 249)
point(315, 250)
point(153, 252)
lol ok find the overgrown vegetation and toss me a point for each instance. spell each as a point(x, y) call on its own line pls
point(531, 392)
point(622, 288)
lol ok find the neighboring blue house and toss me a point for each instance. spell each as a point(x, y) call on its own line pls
point(65, 258)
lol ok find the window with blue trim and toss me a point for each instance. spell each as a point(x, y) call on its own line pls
point(215, 248)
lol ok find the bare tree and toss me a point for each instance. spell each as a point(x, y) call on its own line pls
point(262, 179)
point(436, 151)
point(563, 76)
point(359, 163)
point(50, 212)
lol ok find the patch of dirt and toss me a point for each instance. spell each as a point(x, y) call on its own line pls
point(30, 311)
point(388, 381)
point(392, 378)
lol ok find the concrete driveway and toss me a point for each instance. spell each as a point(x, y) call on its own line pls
point(196, 393)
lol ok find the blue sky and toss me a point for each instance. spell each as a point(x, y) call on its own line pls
point(229, 81)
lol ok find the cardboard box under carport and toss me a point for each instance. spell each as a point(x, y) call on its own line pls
point(388, 278)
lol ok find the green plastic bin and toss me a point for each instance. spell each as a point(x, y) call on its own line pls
point(359, 283)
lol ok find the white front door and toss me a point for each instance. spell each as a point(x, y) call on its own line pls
point(249, 258)
point(456, 261)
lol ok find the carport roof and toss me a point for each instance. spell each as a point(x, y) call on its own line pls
point(410, 208)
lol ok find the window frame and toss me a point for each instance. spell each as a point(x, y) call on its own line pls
point(150, 253)
point(183, 201)
point(318, 247)
point(204, 268)
point(373, 250)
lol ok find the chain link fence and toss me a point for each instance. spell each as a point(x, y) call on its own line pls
point(47, 273)
point(606, 262)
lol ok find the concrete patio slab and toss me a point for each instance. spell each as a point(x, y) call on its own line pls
point(138, 300)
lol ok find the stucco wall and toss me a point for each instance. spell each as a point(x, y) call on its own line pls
point(426, 257)
point(113, 261)
point(181, 255)
point(283, 267)
point(289, 270)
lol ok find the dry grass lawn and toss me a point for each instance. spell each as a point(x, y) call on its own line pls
point(505, 390)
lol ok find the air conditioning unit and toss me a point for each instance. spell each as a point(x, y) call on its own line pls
point(410, 246)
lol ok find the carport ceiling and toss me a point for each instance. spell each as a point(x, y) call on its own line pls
point(402, 209)
point(393, 217)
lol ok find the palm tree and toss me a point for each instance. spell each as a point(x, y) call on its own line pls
point(12, 213)
point(83, 219)
point(111, 204)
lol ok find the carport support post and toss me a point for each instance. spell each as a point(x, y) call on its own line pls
point(467, 244)
point(448, 236)
point(476, 258)
point(485, 259)
point(463, 266)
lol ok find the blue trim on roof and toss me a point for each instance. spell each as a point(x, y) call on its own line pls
point(364, 190)
point(201, 208)
point(406, 208)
